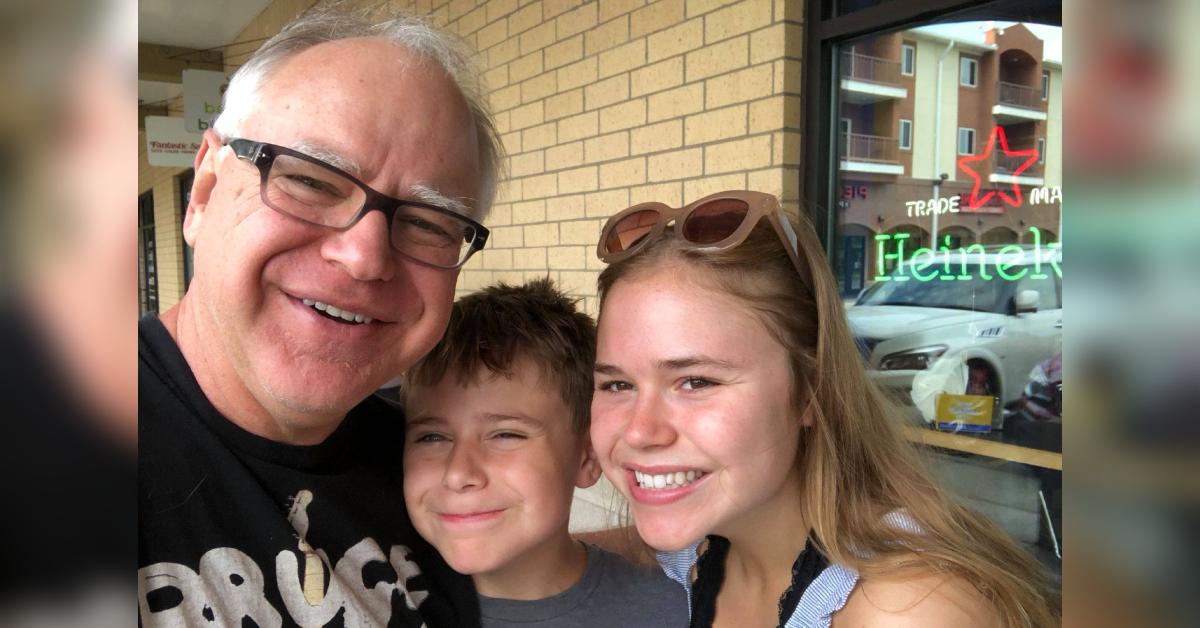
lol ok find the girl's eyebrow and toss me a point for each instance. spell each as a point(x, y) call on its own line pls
point(671, 364)
point(675, 364)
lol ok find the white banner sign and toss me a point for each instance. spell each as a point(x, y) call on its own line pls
point(202, 92)
point(169, 144)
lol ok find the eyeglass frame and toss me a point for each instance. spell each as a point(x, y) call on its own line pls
point(759, 205)
point(262, 155)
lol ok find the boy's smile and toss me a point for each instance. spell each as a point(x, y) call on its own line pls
point(490, 469)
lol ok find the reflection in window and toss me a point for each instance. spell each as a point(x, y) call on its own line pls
point(949, 180)
point(968, 68)
point(966, 141)
point(973, 294)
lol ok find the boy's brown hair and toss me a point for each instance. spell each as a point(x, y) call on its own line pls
point(500, 324)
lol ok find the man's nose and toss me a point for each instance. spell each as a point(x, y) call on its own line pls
point(464, 470)
point(364, 250)
point(650, 425)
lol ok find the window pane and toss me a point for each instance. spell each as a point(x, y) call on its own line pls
point(967, 71)
point(948, 220)
point(940, 231)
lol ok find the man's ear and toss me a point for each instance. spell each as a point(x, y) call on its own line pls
point(589, 467)
point(203, 182)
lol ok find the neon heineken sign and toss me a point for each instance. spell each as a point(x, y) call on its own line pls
point(1009, 263)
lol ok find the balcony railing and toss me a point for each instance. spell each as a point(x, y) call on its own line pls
point(872, 148)
point(867, 68)
point(1004, 164)
point(1019, 95)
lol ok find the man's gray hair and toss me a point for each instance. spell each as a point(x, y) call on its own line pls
point(416, 34)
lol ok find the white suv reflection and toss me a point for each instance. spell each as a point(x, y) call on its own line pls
point(982, 329)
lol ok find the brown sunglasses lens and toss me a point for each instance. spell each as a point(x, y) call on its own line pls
point(630, 230)
point(714, 221)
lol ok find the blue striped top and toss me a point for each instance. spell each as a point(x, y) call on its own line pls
point(825, 596)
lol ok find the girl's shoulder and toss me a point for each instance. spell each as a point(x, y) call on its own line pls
point(929, 600)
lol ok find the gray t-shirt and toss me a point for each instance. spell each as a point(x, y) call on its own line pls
point(612, 593)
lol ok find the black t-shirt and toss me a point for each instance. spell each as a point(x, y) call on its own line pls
point(238, 530)
point(68, 483)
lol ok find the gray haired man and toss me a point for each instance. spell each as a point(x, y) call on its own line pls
point(332, 207)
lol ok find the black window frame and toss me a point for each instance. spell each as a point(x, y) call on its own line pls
point(148, 279)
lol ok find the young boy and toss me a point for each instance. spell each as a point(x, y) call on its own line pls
point(496, 442)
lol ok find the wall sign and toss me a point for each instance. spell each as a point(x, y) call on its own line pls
point(1010, 263)
point(202, 94)
point(168, 144)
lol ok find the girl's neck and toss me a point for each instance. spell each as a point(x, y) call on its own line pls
point(764, 544)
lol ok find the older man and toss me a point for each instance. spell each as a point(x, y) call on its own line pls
point(331, 210)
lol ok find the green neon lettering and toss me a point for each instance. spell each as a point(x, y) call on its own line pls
point(899, 256)
point(880, 247)
point(1002, 266)
point(946, 258)
point(1037, 253)
point(1051, 254)
point(918, 266)
point(983, 273)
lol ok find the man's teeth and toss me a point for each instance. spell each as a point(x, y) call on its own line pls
point(348, 316)
point(666, 480)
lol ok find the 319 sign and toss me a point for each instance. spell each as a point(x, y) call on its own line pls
point(854, 191)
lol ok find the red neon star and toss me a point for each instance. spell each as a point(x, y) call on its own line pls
point(975, 201)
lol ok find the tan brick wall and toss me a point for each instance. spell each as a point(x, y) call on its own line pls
point(607, 103)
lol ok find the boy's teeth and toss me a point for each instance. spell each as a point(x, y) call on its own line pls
point(349, 317)
point(666, 480)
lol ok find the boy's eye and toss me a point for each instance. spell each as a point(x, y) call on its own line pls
point(697, 383)
point(614, 386)
point(509, 435)
point(430, 438)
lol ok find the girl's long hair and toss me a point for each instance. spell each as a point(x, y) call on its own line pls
point(856, 466)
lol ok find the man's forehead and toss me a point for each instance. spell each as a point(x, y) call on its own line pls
point(356, 58)
point(317, 149)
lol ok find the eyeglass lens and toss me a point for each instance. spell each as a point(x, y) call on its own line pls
point(318, 195)
point(631, 229)
point(714, 221)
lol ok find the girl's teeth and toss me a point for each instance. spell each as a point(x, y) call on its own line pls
point(666, 480)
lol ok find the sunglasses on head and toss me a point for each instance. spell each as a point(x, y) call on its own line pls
point(716, 222)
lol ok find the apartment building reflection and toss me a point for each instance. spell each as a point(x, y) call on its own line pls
point(951, 133)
